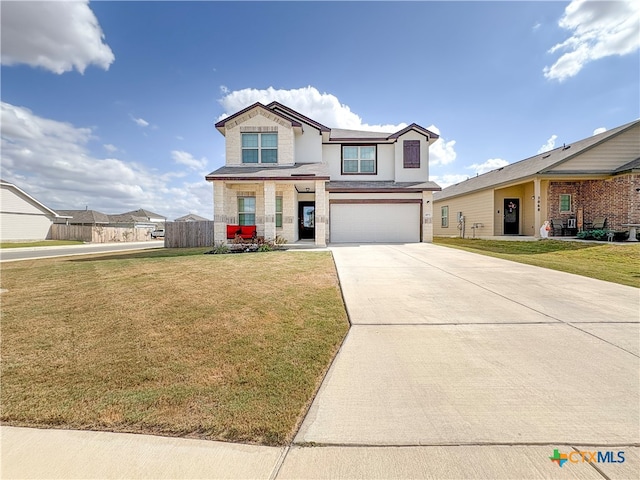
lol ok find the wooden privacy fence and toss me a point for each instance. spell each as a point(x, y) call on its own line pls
point(98, 234)
point(188, 234)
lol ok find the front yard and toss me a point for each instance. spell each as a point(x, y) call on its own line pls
point(612, 262)
point(173, 342)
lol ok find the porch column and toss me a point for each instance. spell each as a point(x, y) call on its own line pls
point(269, 210)
point(537, 215)
point(427, 217)
point(219, 216)
point(321, 214)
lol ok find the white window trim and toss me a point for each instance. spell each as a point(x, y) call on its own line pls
point(259, 148)
point(359, 160)
point(444, 219)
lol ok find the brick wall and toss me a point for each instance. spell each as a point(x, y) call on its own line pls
point(615, 198)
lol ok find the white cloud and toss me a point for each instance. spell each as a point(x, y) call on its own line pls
point(141, 122)
point(598, 30)
point(599, 130)
point(491, 164)
point(321, 107)
point(448, 179)
point(57, 36)
point(110, 148)
point(550, 145)
point(50, 160)
point(185, 158)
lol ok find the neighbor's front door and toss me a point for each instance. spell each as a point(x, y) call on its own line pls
point(307, 219)
point(511, 216)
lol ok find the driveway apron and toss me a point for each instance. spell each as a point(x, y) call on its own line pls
point(453, 348)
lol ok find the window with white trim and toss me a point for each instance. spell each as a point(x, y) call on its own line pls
point(279, 212)
point(359, 159)
point(565, 203)
point(246, 210)
point(444, 216)
point(259, 148)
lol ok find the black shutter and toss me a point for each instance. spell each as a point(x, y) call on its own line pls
point(411, 153)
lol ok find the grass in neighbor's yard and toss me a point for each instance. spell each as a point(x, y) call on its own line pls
point(618, 263)
point(40, 243)
point(172, 342)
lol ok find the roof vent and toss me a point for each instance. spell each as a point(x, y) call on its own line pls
point(546, 156)
point(565, 147)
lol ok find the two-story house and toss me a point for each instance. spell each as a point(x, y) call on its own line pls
point(295, 178)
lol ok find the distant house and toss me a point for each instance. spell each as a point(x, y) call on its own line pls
point(138, 219)
point(191, 217)
point(594, 178)
point(82, 217)
point(22, 217)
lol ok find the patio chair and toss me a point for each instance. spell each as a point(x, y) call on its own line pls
point(599, 223)
point(558, 227)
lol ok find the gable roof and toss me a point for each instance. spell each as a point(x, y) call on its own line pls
point(84, 216)
point(29, 198)
point(191, 217)
point(297, 115)
point(539, 164)
point(221, 125)
point(144, 214)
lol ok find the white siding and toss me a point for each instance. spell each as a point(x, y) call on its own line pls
point(21, 218)
point(308, 145)
point(412, 174)
point(332, 155)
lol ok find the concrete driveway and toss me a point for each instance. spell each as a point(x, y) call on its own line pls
point(450, 348)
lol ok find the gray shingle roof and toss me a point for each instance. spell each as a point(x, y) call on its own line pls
point(528, 167)
point(318, 170)
point(89, 217)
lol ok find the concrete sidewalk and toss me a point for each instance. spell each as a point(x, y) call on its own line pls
point(457, 366)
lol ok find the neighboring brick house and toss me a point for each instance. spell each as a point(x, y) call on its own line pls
point(595, 177)
point(295, 178)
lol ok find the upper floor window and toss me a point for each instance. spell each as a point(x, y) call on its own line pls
point(411, 153)
point(259, 148)
point(359, 159)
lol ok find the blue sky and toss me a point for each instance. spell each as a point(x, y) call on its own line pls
point(111, 105)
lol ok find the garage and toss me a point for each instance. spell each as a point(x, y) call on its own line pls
point(375, 222)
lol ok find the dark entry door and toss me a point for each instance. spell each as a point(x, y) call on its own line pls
point(307, 219)
point(511, 216)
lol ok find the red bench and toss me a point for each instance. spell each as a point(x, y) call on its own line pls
point(247, 232)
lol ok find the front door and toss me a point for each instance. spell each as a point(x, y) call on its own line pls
point(307, 219)
point(511, 216)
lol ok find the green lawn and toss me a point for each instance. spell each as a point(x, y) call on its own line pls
point(40, 243)
point(618, 263)
point(225, 347)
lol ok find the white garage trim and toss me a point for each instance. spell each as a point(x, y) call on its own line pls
point(375, 221)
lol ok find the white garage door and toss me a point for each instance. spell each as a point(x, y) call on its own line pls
point(375, 222)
